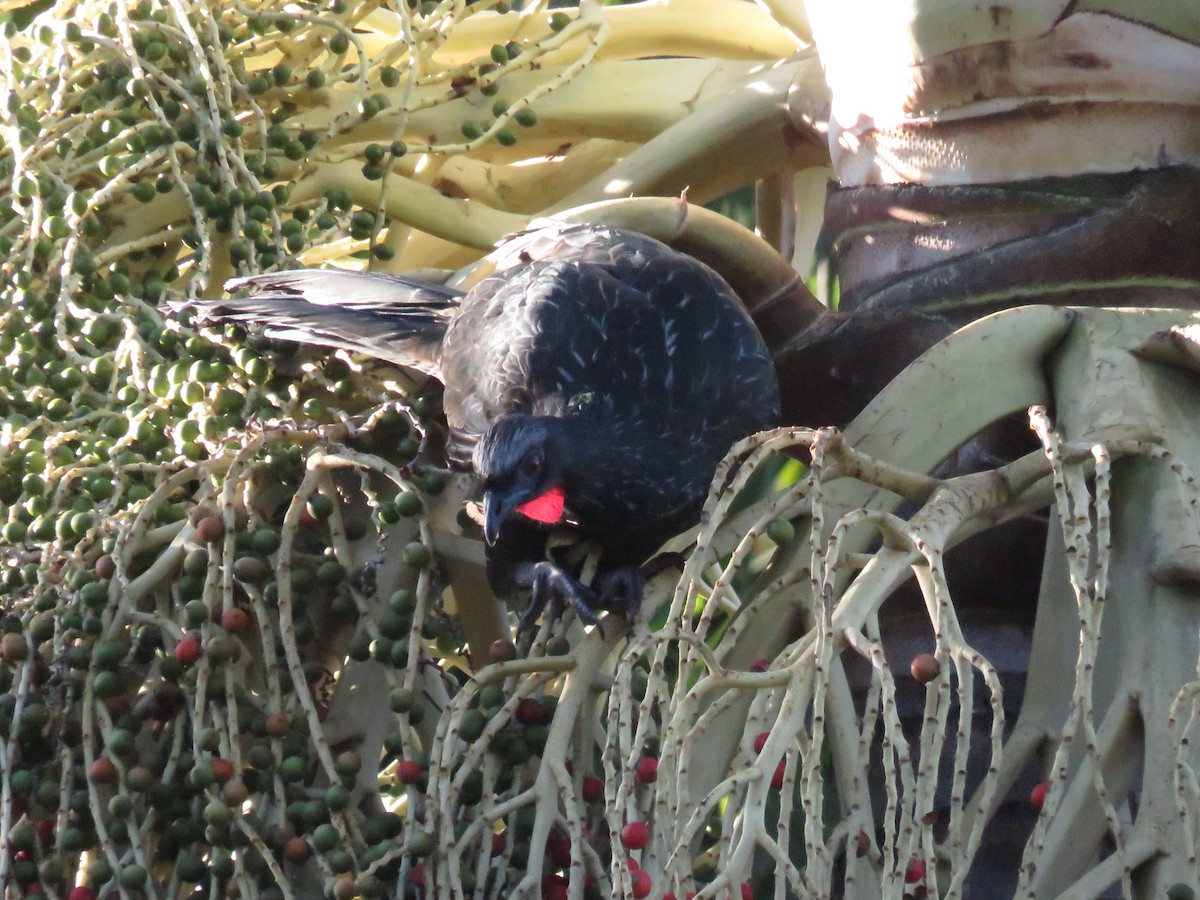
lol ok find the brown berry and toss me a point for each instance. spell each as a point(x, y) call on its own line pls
point(210, 529)
point(103, 771)
point(925, 667)
point(502, 651)
point(296, 850)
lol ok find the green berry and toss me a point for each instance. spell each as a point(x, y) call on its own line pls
point(781, 531)
point(265, 541)
point(417, 555)
point(133, 876)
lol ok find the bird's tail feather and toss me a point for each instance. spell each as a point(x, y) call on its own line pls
point(388, 317)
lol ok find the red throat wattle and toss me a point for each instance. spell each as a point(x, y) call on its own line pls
point(547, 507)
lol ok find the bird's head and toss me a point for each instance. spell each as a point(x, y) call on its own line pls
point(519, 471)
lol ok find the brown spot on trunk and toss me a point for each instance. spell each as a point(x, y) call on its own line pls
point(1084, 60)
point(448, 188)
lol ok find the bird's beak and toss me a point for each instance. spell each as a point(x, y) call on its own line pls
point(495, 511)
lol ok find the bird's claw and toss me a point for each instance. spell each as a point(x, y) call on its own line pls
point(622, 590)
point(552, 590)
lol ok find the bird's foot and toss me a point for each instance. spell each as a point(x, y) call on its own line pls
point(552, 590)
point(621, 591)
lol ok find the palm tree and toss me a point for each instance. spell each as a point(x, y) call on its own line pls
point(247, 645)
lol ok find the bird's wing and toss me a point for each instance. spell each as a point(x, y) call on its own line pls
point(387, 317)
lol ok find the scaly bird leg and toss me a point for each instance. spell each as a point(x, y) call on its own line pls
point(551, 590)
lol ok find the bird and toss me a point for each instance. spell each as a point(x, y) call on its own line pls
point(593, 382)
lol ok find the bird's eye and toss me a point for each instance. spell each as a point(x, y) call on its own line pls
point(533, 467)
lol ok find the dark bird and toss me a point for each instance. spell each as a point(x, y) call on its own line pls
point(592, 382)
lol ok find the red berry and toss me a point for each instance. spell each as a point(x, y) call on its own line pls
point(593, 788)
point(635, 835)
point(416, 875)
point(646, 770)
point(641, 884)
point(761, 741)
point(45, 830)
point(668, 895)
point(558, 846)
point(222, 770)
point(307, 520)
point(747, 891)
point(529, 712)
point(925, 667)
point(80, 892)
point(915, 871)
point(188, 651)
point(276, 724)
point(777, 778)
point(554, 887)
point(498, 844)
point(1038, 795)
point(103, 771)
point(322, 712)
point(210, 529)
point(235, 620)
point(411, 771)
point(760, 665)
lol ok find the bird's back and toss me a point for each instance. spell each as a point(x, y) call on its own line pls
point(612, 317)
point(646, 352)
